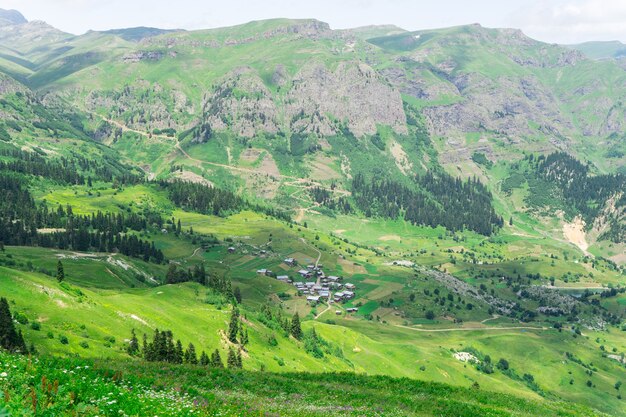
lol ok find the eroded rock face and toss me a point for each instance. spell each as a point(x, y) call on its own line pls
point(353, 93)
point(142, 56)
point(9, 86)
point(144, 106)
point(318, 97)
point(242, 103)
point(506, 106)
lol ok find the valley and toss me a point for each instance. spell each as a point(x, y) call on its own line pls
point(226, 187)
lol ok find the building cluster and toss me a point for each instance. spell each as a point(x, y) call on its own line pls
point(313, 283)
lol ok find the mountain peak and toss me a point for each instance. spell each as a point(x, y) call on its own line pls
point(11, 17)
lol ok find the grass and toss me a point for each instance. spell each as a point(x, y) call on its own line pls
point(136, 388)
point(93, 315)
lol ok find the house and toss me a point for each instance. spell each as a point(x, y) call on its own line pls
point(334, 278)
point(313, 299)
point(338, 296)
point(283, 278)
point(299, 284)
point(324, 294)
point(350, 286)
point(338, 312)
point(262, 271)
point(309, 284)
point(317, 287)
point(231, 249)
point(348, 295)
point(310, 267)
point(304, 272)
point(352, 310)
point(290, 261)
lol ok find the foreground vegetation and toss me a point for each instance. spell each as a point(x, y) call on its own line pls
point(64, 387)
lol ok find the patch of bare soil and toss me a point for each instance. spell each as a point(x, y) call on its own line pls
point(402, 161)
point(192, 177)
point(574, 232)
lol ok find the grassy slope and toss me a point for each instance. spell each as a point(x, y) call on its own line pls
point(142, 388)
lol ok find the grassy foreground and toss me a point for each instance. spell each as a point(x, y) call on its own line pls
point(75, 387)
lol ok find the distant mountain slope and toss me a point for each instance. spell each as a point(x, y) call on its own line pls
point(11, 17)
point(276, 100)
point(138, 33)
point(601, 49)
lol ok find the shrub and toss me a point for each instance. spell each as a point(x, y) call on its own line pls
point(84, 344)
point(63, 339)
point(35, 325)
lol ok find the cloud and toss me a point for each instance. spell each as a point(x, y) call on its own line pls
point(573, 21)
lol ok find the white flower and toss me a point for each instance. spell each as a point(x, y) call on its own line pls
point(4, 375)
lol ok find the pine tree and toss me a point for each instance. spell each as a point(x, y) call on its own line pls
point(233, 326)
point(10, 339)
point(60, 272)
point(243, 336)
point(216, 360)
point(204, 359)
point(239, 361)
point(133, 345)
point(296, 329)
point(237, 295)
point(232, 359)
point(190, 355)
point(172, 274)
point(145, 348)
point(178, 355)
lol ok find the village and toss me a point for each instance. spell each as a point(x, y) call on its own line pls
point(318, 287)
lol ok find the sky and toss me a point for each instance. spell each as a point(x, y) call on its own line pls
point(558, 21)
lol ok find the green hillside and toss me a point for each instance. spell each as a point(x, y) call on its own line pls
point(368, 221)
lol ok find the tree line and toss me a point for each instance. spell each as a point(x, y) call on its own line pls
point(587, 193)
point(76, 170)
point(436, 199)
point(21, 219)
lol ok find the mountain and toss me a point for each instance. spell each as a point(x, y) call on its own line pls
point(138, 33)
point(414, 214)
point(601, 49)
point(11, 17)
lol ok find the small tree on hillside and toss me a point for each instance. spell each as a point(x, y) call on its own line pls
point(237, 295)
point(204, 359)
point(60, 271)
point(216, 360)
point(190, 355)
point(10, 339)
point(133, 345)
point(233, 326)
point(296, 329)
point(234, 359)
point(178, 352)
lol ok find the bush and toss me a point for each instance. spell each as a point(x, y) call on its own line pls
point(63, 339)
point(20, 318)
point(503, 364)
point(35, 325)
point(84, 344)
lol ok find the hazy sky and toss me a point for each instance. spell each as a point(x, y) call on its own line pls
point(562, 21)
